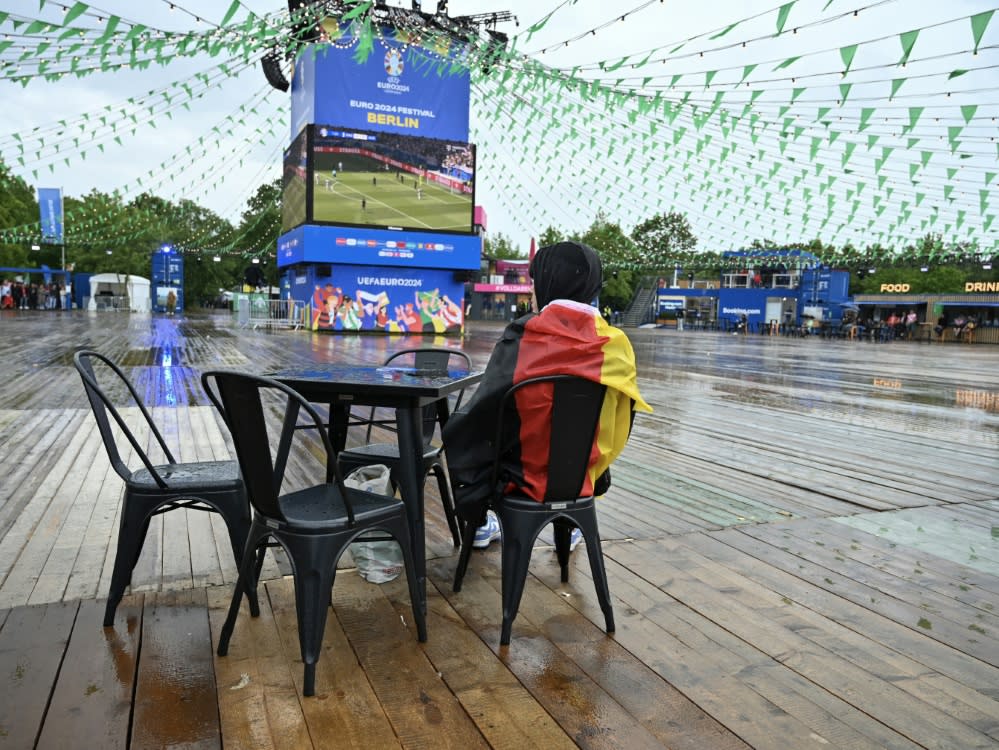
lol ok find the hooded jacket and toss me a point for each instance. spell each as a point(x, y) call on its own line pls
point(566, 337)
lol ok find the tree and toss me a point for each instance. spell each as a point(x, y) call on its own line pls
point(617, 252)
point(258, 231)
point(551, 236)
point(17, 207)
point(500, 247)
point(664, 241)
point(101, 222)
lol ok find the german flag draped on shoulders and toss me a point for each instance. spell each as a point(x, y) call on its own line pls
point(568, 336)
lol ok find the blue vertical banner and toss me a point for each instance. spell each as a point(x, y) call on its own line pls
point(50, 208)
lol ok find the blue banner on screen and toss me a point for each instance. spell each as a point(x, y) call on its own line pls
point(50, 208)
point(393, 300)
point(398, 89)
point(325, 244)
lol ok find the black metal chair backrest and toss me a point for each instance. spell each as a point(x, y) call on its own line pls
point(573, 404)
point(102, 407)
point(429, 359)
point(242, 407)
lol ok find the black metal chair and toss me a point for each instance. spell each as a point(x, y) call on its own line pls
point(433, 359)
point(313, 525)
point(214, 486)
point(574, 416)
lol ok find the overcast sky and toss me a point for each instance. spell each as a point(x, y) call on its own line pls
point(256, 140)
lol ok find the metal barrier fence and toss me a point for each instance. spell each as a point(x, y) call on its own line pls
point(272, 313)
point(116, 302)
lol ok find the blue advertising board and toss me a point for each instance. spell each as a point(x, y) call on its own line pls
point(375, 298)
point(50, 209)
point(400, 88)
point(734, 303)
point(310, 243)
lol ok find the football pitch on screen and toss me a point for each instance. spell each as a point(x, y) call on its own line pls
point(382, 199)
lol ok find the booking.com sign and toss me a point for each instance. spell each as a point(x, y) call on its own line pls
point(398, 89)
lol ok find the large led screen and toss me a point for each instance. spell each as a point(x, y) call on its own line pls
point(367, 178)
point(294, 183)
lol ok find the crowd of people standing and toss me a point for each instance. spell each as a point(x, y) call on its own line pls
point(22, 295)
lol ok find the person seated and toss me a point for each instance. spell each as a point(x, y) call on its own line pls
point(968, 334)
point(566, 335)
point(959, 323)
point(941, 326)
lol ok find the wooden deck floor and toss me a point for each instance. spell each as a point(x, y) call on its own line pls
point(802, 543)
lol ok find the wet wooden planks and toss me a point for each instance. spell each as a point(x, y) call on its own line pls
point(67, 678)
point(833, 655)
point(751, 636)
point(797, 556)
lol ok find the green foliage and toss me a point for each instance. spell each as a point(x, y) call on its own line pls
point(551, 236)
point(616, 250)
point(619, 288)
point(17, 206)
point(260, 227)
point(615, 247)
point(664, 240)
point(500, 247)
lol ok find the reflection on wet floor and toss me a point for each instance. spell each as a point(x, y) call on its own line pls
point(903, 387)
point(812, 521)
point(912, 387)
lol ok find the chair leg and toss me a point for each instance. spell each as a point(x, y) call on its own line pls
point(467, 537)
point(313, 584)
point(400, 530)
point(251, 589)
point(594, 551)
point(518, 541)
point(444, 485)
point(237, 519)
point(131, 535)
point(563, 532)
point(242, 582)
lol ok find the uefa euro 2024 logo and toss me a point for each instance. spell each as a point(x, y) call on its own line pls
point(393, 62)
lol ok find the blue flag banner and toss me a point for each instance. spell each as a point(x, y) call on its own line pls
point(50, 208)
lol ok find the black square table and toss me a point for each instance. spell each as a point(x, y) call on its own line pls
point(404, 389)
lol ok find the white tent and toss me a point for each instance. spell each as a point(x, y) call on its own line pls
point(109, 289)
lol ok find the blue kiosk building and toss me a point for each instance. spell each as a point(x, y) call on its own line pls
point(771, 288)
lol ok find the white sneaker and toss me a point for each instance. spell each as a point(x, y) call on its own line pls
point(487, 532)
point(575, 538)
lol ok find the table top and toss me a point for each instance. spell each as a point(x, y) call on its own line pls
point(352, 382)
